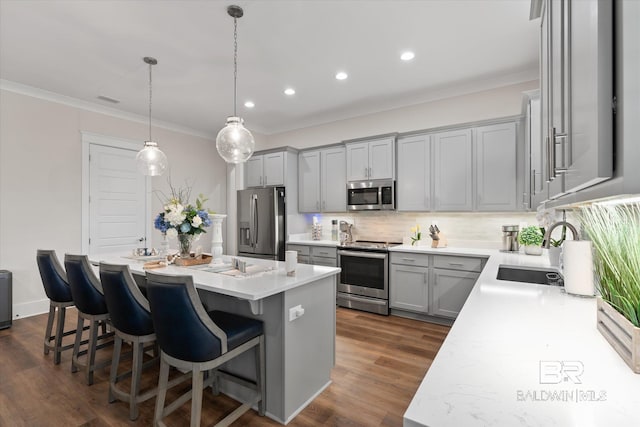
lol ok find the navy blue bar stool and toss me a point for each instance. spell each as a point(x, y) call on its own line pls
point(193, 340)
point(89, 300)
point(131, 320)
point(56, 286)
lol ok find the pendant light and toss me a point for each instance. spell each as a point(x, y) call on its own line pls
point(234, 142)
point(150, 160)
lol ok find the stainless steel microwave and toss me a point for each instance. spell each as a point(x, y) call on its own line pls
point(374, 195)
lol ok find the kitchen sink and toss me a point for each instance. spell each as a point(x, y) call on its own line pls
point(515, 273)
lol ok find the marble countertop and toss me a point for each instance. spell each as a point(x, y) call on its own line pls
point(305, 239)
point(253, 287)
point(521, 354)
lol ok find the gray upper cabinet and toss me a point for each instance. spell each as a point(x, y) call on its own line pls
point(265, 169)
point(576, 78)
point(372, 159)
point(453, 171)
point(414, 173)
point(322, 181)
point(309, 181)
point(334, 180)
point(495, 162)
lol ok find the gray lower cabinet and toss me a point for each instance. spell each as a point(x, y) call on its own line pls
point(449, 291)
point(409, 289)
point(433, 285)
point(315, 255)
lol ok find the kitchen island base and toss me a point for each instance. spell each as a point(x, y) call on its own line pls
point(300, 353)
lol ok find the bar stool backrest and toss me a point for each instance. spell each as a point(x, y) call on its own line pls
point(128, 308)
point(183, 328)
point(85, 286)
point(54, 278)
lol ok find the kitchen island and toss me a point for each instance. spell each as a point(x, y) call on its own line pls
point(522, 354)
point(300, 345)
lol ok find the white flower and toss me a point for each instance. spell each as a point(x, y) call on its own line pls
point(172, 233)
point(196, 221)
point(175, 216)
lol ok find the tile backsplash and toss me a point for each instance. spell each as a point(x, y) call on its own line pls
point(468, 229)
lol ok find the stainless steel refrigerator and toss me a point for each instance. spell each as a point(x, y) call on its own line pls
point(262, 223)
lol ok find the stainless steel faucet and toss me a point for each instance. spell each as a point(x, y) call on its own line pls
point(547, 235)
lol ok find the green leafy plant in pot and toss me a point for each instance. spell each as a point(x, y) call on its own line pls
point(531, 238)
point(615, 234)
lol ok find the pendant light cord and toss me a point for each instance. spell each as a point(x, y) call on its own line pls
point(235, 65)
point(150, 97)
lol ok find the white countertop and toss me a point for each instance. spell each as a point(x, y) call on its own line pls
point(251, 288)
point(443, 251)
point(488, 371)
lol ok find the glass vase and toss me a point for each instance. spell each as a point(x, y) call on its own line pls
point(185, 241)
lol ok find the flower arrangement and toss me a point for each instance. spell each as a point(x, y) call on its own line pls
point(181, 219)
point(417, 235)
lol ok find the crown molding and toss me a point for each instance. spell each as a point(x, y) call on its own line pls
point(46, 95)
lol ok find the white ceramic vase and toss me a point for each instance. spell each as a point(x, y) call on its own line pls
point(216, 239)
point(533, 250)
point(554, 255)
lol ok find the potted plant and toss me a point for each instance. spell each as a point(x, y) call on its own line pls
point(615, 235)
point(555, 247)
point(531, 238)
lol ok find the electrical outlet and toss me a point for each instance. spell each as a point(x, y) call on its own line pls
point(295, 312)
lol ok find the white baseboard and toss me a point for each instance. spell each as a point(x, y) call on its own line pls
point(31, 308)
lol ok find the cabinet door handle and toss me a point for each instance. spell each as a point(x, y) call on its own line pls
point(265, 180)
point(260, 179)
point(323, 253)
point(317, 205)
point(459, 264)
point(409, 259)
point(366, 170)
point(425, 277)
point(324, 204)
point(369, 172)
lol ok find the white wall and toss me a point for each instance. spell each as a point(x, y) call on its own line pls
point(500, 102)
point(40, 182)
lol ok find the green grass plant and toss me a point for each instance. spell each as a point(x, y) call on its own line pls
point(615, 233)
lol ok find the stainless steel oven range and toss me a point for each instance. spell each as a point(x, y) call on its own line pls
point(364, 279)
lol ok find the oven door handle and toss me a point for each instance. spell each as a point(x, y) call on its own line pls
point(363, 254)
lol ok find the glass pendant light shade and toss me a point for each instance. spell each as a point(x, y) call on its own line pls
point(150, 160)
point(234, 142)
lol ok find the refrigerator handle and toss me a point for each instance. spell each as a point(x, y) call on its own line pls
point(254, 225)
point(251, 231)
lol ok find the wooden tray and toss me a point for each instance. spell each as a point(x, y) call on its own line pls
point(202, 259)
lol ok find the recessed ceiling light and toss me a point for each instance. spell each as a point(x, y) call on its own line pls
point(289, 91)
point(341, 75)
point(249, 104)
point(407, 56)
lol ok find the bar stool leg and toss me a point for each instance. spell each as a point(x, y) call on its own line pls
point(261, 376)
point(138, 355)
point(113, 374)
point(76, 344)
point(59, 334)
point(47, 334)
point(196, 396)
point(91, 351)
point(163, 380)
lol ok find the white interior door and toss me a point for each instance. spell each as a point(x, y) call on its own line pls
point(117, 201)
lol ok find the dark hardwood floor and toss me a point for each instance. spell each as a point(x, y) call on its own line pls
point(380, 361)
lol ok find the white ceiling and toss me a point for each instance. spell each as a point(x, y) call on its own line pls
point(83, 49)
